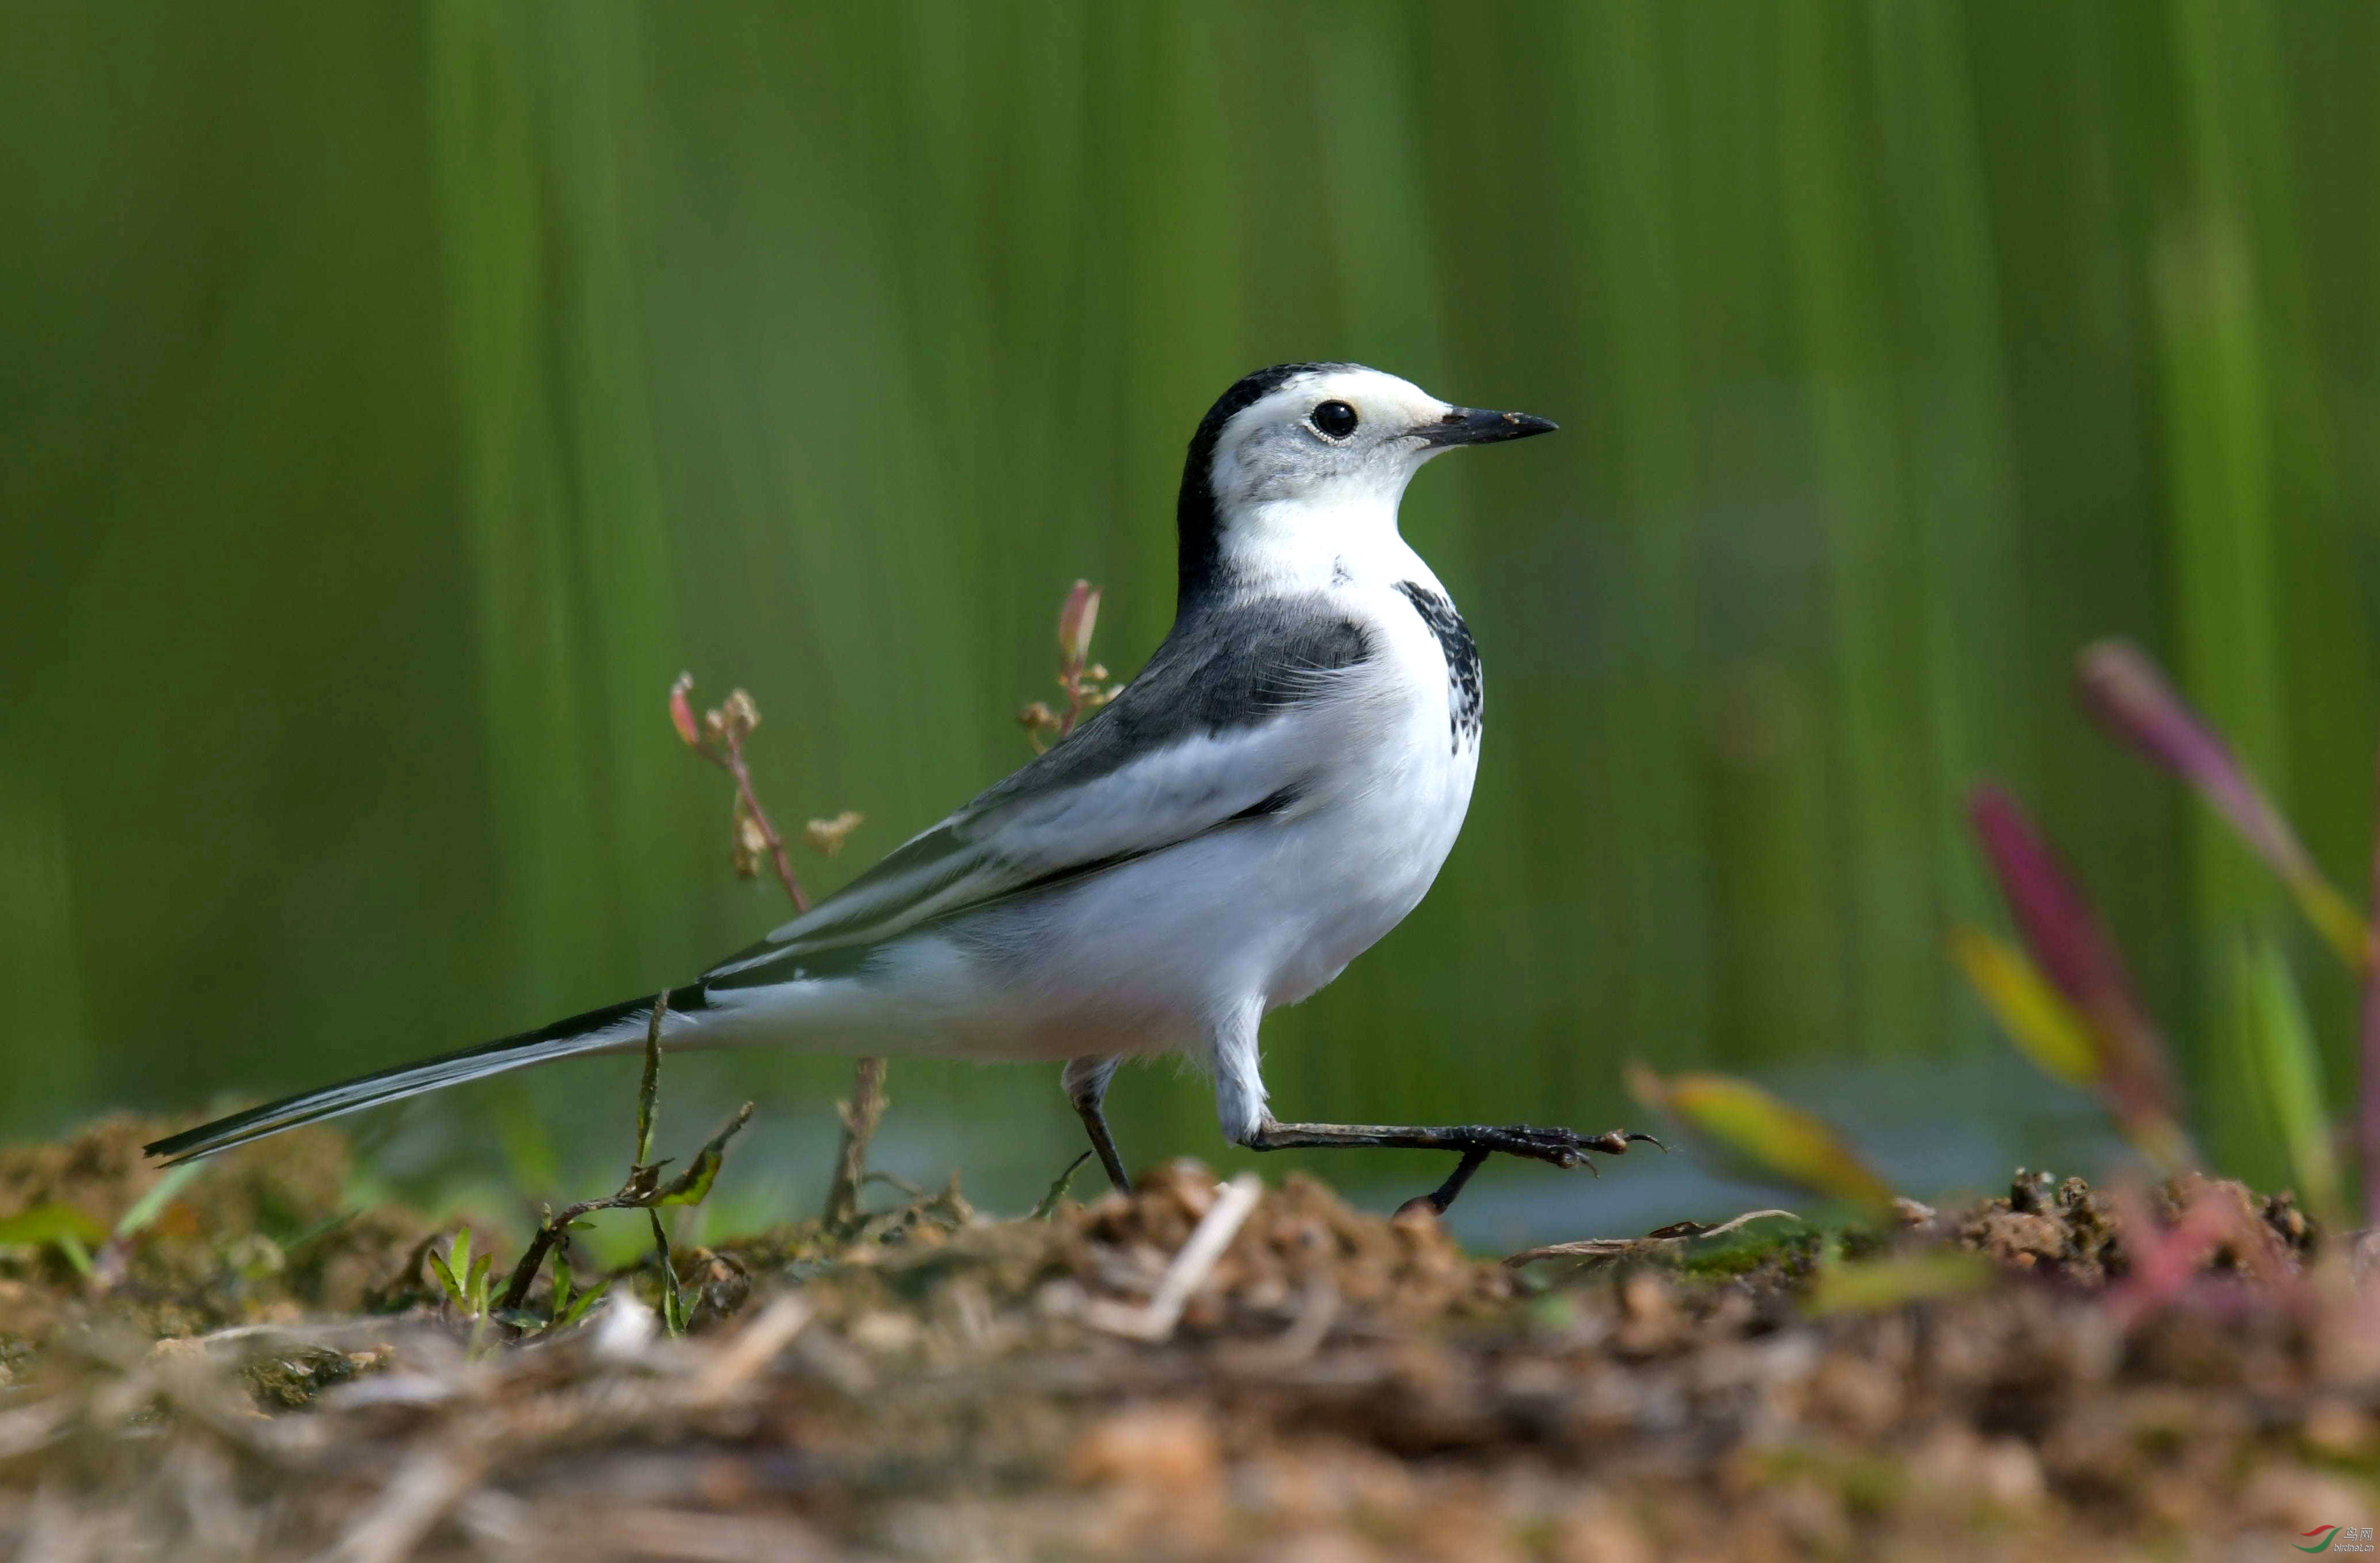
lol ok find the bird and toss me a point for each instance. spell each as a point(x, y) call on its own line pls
point(1272, 794)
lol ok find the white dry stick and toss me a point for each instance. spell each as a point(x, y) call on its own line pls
point(1189, 1270)
point(415, 1498)
point(755, 1345)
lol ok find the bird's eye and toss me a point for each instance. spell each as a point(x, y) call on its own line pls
point(1335, 419)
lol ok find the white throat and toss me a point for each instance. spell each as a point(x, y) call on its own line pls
point(1312, 543)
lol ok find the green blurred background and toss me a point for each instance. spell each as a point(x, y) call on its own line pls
point(395, 398)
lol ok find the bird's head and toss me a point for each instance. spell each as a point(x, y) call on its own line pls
point(1300, 467)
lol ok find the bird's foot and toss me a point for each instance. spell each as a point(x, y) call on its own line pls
point(1560, 1147)
point(1476, 1142)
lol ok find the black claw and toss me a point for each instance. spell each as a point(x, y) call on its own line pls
point(1566, 1147)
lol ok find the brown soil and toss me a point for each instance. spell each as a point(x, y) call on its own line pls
point(2075, 1373)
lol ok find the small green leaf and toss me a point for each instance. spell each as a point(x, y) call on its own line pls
point(453, 1268)
point(52, 1223)
point(691, 1185)
point(149, 1207)
point(672, 1301)
point(561, 1298)
point(584, 1301)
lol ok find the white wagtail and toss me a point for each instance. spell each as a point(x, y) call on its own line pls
point(1270, 795)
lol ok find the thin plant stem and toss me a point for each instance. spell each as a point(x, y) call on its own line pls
point(860, 1116)
point(2368, 1116)
point(729, 758)
point(643, 1189)
point(728, 726)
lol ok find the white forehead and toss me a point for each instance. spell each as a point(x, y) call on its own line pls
point(1380, 400)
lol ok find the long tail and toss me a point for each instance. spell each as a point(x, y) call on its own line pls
point(605, 1030)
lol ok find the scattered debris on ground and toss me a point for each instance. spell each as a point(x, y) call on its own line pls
point(1204, 1370)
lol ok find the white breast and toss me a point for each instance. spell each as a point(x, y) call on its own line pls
point(1397, 803)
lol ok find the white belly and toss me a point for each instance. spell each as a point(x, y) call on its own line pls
point(1144, 957)
point(1138, 959)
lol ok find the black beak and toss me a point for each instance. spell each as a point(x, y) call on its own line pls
point(1471, 426)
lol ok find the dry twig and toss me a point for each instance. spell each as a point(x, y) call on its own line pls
point(1654, 1241)
point(1189, 1270)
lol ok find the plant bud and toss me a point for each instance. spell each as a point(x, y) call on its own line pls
point(682, 712)
point(1076, 622)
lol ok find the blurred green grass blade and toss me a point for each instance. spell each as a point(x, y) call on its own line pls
point(2216, 281)
point(161, 1193)
point(1889, 788)
point(1951, 378)
point(2286, 1066)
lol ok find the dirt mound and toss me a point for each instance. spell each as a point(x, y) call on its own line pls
point(1218, 1370)
point(264, 1234)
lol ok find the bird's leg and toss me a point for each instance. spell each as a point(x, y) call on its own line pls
point(1086, 1082)
point(1476, 1142)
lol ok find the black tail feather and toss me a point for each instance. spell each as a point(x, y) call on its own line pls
point(563, 1038)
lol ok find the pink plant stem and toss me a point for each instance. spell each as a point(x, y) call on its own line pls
point(2161, 1261)
point(733, 764)
point(2368, 1124)
point(866, 1109)
point(1076, 618)
point(1073, 678)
